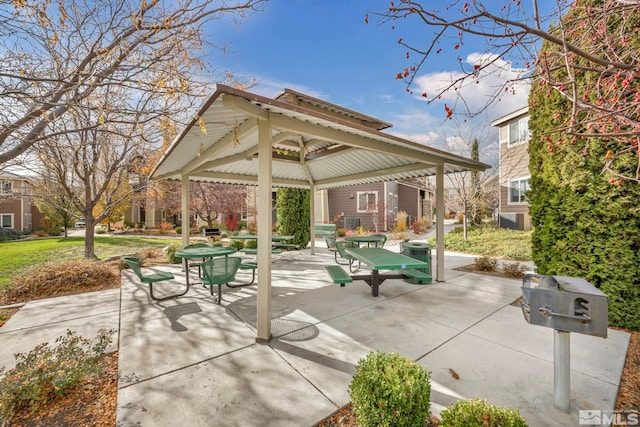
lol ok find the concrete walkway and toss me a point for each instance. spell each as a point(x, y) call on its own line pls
point(190, 362)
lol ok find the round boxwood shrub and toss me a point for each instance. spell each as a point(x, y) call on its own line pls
point(477, 412)
point(238, 244)
point(390, 390)
point(251, 244)
point(171, 253)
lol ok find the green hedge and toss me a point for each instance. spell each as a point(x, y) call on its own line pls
point(478, 413)
point(390, 390)
point(584, 225)
point(292, 210)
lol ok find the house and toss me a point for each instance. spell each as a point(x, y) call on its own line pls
point(514, 169)
point(17, 204)
point(376, 206)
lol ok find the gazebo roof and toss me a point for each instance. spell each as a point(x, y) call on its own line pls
point(314, 143)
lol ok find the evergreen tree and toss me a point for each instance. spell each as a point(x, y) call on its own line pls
point(293, 213)
point(586, 224)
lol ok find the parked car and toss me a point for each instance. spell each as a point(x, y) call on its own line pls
point(80, 223)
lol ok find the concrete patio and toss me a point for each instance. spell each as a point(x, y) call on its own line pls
point(191, 362)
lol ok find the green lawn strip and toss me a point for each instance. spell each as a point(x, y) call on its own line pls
point(20, 255)
point(492, 242)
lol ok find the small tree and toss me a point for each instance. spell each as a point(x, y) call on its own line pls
point(293, 213)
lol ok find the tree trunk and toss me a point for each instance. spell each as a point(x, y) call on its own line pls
point(89, 238)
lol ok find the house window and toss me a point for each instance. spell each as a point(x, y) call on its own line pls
point(163, 215)
point(519, 131)
point(517, 189)
point(368, 201)
point(5, 187)
point(390, 203)
point(6, 220)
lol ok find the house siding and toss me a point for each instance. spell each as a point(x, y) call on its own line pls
point(19, 204)
point(342, 203)
point(409, 201)
point(514, 165)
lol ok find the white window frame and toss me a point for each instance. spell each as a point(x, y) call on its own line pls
point(518, 184)
point(6, 187)
point(11, 220)
point(368, 194)
point(522, 137)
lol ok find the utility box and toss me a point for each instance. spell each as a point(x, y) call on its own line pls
point(564, 303)
point(351, 222)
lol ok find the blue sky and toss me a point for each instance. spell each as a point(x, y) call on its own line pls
point(325, 49)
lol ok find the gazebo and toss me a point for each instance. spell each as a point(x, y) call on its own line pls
point(295, 140)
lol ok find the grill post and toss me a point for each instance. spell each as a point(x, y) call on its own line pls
point(561, 370)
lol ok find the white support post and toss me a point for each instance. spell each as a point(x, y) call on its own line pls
point(440, 223)
point(312, 217)
point(264, 232)
point(186, 226)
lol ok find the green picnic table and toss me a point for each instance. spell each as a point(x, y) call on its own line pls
point(384, 259)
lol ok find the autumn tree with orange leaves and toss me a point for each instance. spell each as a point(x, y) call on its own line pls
point(58, 58)
point(597, 38)
point(89, 88)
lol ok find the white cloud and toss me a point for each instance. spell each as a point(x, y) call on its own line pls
point(474, 94)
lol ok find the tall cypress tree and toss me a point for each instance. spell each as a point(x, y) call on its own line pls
point(586, 224)
point(292, 211)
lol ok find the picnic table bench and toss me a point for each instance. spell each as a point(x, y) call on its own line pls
point(325, 229)
point(379, 259)
point(338, 274)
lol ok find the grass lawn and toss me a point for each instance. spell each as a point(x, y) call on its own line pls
point(22, 254)
point(491, 242)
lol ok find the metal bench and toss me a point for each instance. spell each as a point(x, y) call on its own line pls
point(284, 246)
point(253, 251)
point(219, 271)
point(325, 229)
point(135, 264)
point(246, 266)
point(418, 275)
point(338, 275)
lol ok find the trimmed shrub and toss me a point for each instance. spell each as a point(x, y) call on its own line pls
point(401, 222)
point(46, 373)
point(178, 230)
point(171, 253)
point(486, 263)
point(390, 390)
point(514, 269)
point(478, 413)
point(251, 244)
point(238, 244)
point(9, 234)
